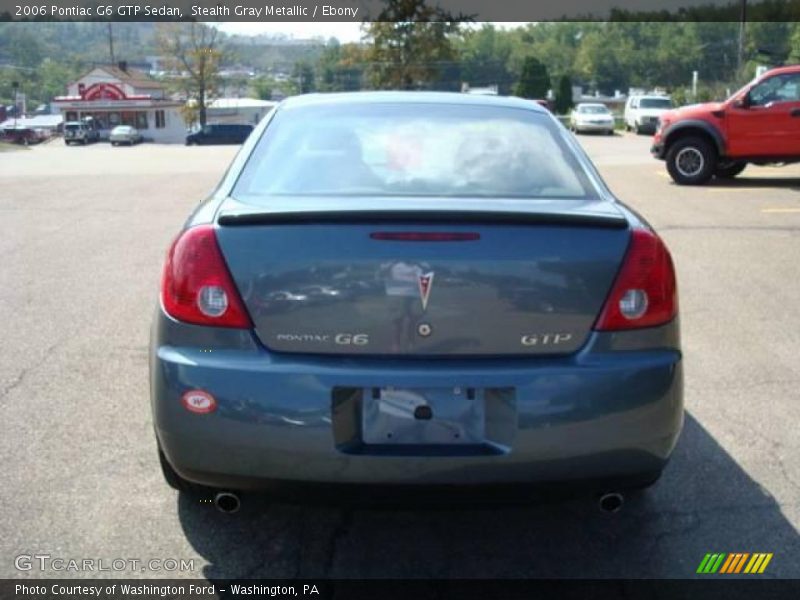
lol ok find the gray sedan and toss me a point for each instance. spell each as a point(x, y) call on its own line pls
point(414, 288)
point(124, 134)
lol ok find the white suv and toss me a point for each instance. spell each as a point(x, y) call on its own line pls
point(643, 112)
point(80, 132)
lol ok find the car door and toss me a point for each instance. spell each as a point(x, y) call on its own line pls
point(768, 123)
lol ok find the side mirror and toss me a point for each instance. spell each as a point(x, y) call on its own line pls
point(743, 102)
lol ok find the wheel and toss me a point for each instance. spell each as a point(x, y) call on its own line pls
point(729, 170)
point(637, 128)
point(610, 132)
point(175, 481)
point(691, 161)
point(113, 143)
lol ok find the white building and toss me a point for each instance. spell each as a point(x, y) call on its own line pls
point(247, 111)
point(116, 95)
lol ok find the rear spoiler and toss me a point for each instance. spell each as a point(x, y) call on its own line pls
point(577, 218)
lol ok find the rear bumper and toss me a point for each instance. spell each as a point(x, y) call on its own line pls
point(594, 127)
point(610, 411)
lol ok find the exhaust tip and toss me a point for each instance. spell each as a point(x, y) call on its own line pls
point(611, 502)
point(227, 502)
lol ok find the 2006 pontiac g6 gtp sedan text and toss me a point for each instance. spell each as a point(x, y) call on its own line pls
point(414, 288)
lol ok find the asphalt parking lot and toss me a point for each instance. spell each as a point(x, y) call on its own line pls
point(83, 231)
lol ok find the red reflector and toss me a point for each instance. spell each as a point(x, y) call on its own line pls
point(424, 236)
point(645, 293)
point(199, 402)
point(196, 286)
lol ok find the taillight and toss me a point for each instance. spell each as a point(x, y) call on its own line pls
point(196, 286)
point(644, 293)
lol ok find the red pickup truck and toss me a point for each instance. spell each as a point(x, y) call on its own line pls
point(759, 124)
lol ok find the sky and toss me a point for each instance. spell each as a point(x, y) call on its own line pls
point(345, 32)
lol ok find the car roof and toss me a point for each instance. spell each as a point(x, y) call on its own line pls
point(346, 98)
point(590, 104)
point(781, 70)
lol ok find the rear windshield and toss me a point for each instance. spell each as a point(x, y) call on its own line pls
point(72, 127)
point(655, 103)
point(407, 149)
point(595, 110)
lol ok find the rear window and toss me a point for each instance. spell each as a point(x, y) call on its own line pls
point(72, 127)
point(655, 103)
point(386, 149)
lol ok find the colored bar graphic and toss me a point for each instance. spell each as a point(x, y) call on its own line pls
point(714, 563)
point(765, 563)
point(729, 564)
point(740, 564)
point(703, 563)
point(752, 563)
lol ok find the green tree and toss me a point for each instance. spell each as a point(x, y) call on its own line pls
point(534, 81)
point(409, 45)
point(193, 50)
point(484, 55)
point(262, 88)
point(303, 75)
point(564, 95)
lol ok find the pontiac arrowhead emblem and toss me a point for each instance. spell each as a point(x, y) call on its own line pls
point(425, 285)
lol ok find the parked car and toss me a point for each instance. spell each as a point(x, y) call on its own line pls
point(590, 117)
point(438, 210)
point(124, 134)
point(759, 124)
point(643, 112)
point(80, 132)
point(219, 134)
point(23, 135)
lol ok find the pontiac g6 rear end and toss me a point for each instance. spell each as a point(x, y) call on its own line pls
point(414, 288)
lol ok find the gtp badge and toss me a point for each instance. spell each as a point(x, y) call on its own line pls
point(425, 285)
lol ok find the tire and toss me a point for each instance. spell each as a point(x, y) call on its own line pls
point(691, 161)
point(729, 170)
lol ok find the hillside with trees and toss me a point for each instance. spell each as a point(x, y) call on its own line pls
point(430, 51)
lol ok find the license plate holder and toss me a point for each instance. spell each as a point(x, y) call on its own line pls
point(423, 416)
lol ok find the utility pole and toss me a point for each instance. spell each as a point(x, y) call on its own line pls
point(15, 85)
point(742, 21)
point(111, 43)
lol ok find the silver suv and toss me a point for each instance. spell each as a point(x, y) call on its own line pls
point(79, 133)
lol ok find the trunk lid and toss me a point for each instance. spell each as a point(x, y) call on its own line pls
point(523, 278)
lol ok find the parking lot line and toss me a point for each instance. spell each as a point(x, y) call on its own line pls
point(780, 210)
